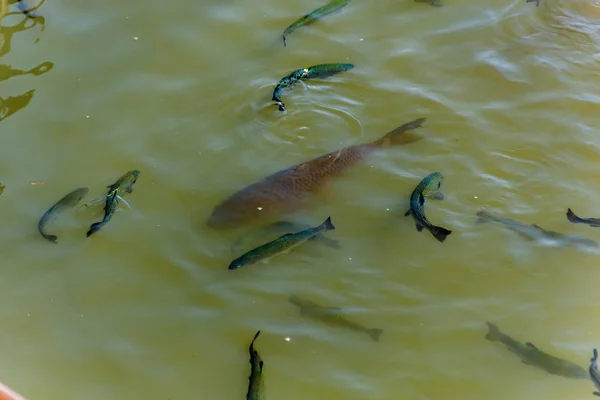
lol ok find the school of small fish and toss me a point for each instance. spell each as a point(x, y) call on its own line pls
point(288, 189)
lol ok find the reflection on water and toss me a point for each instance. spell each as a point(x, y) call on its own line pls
point(11, 104)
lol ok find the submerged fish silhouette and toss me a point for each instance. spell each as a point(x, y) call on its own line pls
point(284, 190)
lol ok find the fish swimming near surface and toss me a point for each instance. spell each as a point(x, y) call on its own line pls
point(68, 201)
point(280, 245)
point(435, 3)
point(285, 190)
point(534, 232)
point(593, 222)
point(256, 384)
point(116, 191)
point(312, 72)
point(594, 374)
point(311, 17)
point(531, 355)
point(428, 187)
point(537, 2)
point(332, 316)
point(275, 230)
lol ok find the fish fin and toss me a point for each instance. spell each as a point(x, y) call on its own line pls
point(421, 199)
point(482, 217)
point(397, 137)
point(494, 333)
point(596, 394)
point(595, 352)
point(436, 196)
point(406, 214)
point(419, 226)
point(539, 228)
point(572, 217)
point(261, 364)
point(284, 41)
point(94, 202)
point(124, 201)
point(531, 345)
point(327, 225)
point(50, 238)
point(375, 333)
point(129, 188)
point(440, 233)
point(95, 228)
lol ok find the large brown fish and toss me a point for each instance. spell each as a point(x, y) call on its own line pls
point(284, 190)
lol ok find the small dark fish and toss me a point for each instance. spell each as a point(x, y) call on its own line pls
point(275, 230)
point(313, 72)
point(69, 201)
point(535, 232)
point(280, 245)
point(594, 374)
point(531, 355)
point(593, 222)
point(116, 191)
point(285, 190)
point(537, 2)
point(437, 3)
point(256, 385)
point(428, 187)
point(332, 316)
point(311, 17)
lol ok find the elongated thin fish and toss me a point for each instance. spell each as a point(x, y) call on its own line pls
point(115, 192)
point(428, 187)
point(435, 3)
point(311, 17)
point(593, 222)
point(537, 2)
point(286, 190)
point(313, 72)
point(275, 230)
point(594, 374)
point(256, 383)
point(280, 245)
point(535, 232)
point(68, 201)
point(332, 316)
point(531, 355)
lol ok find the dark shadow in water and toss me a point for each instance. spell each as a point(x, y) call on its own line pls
point(11, 105)
point(6, 71)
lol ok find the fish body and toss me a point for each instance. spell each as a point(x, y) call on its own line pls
point(312, 72)
point(594, 374)
point(535, 232)
point(332, 316)
point(116, 191)
point(593, 222)
point(428, 187)
point(275, 230)
point(68, 201)
point(311, 17)
point(280, 245)
point(285, 190)
point(256, 381)
point(435, 3)
point(531, 355)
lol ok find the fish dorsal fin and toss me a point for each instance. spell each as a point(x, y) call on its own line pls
point(406, 214)
point(421, 199)
point(531, 345)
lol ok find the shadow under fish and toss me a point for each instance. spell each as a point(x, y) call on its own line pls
point(332, 316)
point(332, 6)
point(593, 222)
point(535, 232)
point(261, 235)
point(313, 72)
point(68, 201)
point(531, 355)
point(285, 190)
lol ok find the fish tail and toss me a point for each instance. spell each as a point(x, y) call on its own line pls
point(284, 43)
point(572, 217)
point(375, 334)
point(440, 233)
point(254, 340)
point(396, 136)
point(50, 238)
point(281, 105)
point(482, 217)
point(95, 228)
point(494, 333)
point(327, 225)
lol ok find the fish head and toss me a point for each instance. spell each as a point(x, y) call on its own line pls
point(433, 183)
point(134, 175)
